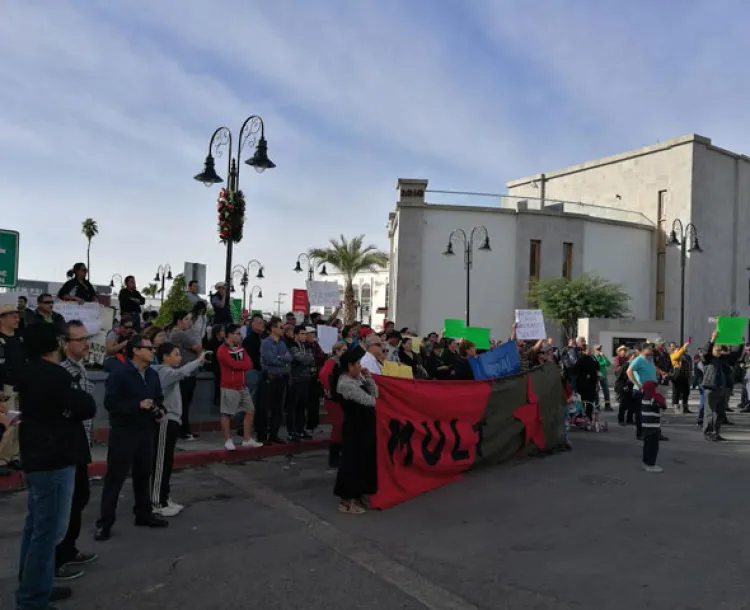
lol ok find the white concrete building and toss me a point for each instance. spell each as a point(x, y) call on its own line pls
point(686, 179)
point(371, 292)
point(530, 239)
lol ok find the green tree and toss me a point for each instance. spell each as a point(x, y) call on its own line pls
point(151, 291)
point(350, 258)
point(565, 301)
point(90, 230)
point(177, 300)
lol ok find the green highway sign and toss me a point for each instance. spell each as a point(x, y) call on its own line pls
point(9, 241)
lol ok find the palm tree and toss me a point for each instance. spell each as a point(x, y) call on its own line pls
point(90, 229)
point(151, 291)
point(350, 258)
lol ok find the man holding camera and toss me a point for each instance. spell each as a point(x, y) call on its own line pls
point(134, 401)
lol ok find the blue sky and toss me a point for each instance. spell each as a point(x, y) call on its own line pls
point(106, 109)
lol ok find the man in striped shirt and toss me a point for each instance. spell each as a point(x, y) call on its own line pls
point(68, 558)
point(642, 373)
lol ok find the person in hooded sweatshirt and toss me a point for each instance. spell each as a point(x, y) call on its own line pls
point(170, 372)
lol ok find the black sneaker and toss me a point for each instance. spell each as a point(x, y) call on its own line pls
point(68, 572)
point(60, 593)
point(81, 559)
point(151, 521)
point(663, 438)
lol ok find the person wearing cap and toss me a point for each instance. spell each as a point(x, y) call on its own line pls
point(353, 387)
point(12, 354)
point(221, 305)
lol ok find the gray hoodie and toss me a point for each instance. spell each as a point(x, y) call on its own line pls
point(170, 378)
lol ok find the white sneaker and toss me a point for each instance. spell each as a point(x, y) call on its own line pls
point(166, 511)
point(229, 445)
point(252, 443)
point(654, 469)
point(174, 505)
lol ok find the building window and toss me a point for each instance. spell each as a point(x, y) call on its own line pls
point(535, 260)
point(567, 266)
point(661, 254)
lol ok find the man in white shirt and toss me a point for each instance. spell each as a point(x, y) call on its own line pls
point(373, 359)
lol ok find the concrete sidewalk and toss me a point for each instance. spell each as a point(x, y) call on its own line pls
point(208, 448)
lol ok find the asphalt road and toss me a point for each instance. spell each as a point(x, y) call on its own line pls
point(586, 530)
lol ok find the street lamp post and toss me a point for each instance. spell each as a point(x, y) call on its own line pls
point(119, 279)
point(163, 273)
point(310, 262)
point(252, 131)
point(680, 235)
point(459, 236)
point(259, 295)
point(244, 273)
point(279, 301)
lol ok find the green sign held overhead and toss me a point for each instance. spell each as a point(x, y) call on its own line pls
point(9, 241)
point(456, 329)
point(730, 331)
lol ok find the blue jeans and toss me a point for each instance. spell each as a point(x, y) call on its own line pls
point(49, 499)
point(702, 406)
point(604, 384)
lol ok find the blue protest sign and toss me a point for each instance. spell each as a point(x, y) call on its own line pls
point(500, 362)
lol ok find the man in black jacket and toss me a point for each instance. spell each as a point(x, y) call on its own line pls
point(718, 380)
point(44, 314)
point(131, 302)
point(52, 441)
point(134, 400)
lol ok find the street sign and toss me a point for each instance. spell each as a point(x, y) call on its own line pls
point(9, 241)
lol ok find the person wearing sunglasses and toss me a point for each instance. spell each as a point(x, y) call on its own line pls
point(44, 314)
point(134, 399)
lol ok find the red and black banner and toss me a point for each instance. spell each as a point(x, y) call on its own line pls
point(429, 433)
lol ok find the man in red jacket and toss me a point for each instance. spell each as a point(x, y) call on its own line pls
point(234, 363)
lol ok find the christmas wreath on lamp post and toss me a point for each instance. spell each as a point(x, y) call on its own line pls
point(231, 210)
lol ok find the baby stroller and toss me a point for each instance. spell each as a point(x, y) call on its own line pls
point(577, 416)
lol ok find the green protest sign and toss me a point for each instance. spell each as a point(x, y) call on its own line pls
point(479, 336)
point(730, 331)
point(453, 329)
point(236, 307)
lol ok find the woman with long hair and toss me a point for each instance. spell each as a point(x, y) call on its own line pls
point(77, 288)
point(357, 393)
point(407, 356)
point(333, 409)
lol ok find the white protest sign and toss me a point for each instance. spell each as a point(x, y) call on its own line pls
point(323, 294)
point(530, 324)
point(88, 313)
point(98, 341)
point(327, 337)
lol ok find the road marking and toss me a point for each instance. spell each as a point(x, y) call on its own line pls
point(355, 549)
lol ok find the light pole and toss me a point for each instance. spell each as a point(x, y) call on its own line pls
point(259, 295)
point(679, 236)
point(119, 279)
point(279, 301)
point(163, 273)
point(232, 205)
point(310, 262)
point(459, 235)
point(244, 273)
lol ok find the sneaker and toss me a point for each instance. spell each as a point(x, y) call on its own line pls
point(229, 445)
point(68, 572)
point(166, 511)
point(151, 521)
point(189, 437)
point(655, 469)
point(253, 444)
point(81, 559)
point(171, 504)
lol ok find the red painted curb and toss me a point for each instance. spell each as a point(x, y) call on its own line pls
point(191, 459)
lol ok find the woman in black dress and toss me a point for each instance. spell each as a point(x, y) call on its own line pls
point(357, 393)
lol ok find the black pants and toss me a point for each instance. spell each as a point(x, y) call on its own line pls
point(269, 414)
point(680, 392)
point(651, 445)
point(334, 455)
point(165, 440)
point(589, 397)
point(67, 550)
point(296, 406)
point(187, 390)
point(715, 415)
point(130, 449)
point(638, 411)
point(313, 405)
point(626, 413)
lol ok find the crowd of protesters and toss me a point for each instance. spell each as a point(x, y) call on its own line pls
point(269, 374)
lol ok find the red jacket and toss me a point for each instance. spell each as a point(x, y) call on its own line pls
point(234, 364)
